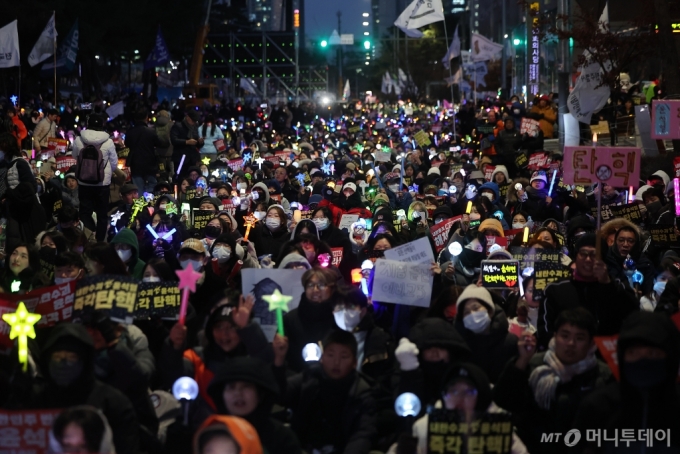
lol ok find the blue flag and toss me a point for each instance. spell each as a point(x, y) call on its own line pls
point(66, 55)
point(160, 55)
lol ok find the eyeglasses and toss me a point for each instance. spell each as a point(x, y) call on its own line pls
point(314, 285)
point(468, 393)
point(587, 255)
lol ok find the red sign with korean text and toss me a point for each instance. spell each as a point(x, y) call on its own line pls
point(440, 232)
point(26, 431)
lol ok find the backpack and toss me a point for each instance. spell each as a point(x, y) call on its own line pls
point(91, 165)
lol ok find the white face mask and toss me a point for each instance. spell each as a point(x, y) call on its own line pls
point(195, 264)
point(488, 195)
point(477, 321)
point(518, 225)
point(242, 186)
point(347, 319)
point(162, 206)
point(64, 280)
point(205, 173)
point(321, 224)
point(259, 215)
point(222, 254)
point(124, 254)
point(659, 287)
point(151, 279)
point(394, 187)
point(273, 223)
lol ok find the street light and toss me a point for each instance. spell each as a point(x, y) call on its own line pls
point(367, 45)
point(324, 43)
point(365, 14)
point(516, 42)
point(365, 24)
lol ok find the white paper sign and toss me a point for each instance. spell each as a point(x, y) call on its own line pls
point(402, 283)
point(347, 220)
point(418, 251)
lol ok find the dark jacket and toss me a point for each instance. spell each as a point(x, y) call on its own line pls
point(620, 405)
point(266, 241)
point(336, 238)
point(25, 216)
point(142, 142)
point(513, 393)
point(275, 437)
point(609, 303)
point(307, 323)
point(331, 412)
point(491, 351)
point(86, 390)
point(425, 381)
point(615, 265)
point(508, 142)
point(179, 134)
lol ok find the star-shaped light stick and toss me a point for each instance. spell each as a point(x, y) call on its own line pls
point(170, 208)
point(216, 173)
point(116, 217)
point(14, 99)
point(247, 157)
point(138, 206)
point(187, 283)
point(205, 160)
point(259, 161)
point(21, 323)
point(249, 221)
point(15, 286)
point(301, 178)
point(279, 303)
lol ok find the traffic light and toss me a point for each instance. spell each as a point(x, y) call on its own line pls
point(517, 41)
point(324, 43)
point(367, 45)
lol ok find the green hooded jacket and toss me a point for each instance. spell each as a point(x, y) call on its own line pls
point(135, 265)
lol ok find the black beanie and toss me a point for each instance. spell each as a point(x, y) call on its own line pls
point(590, 239)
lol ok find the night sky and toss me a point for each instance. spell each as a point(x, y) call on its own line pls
point(321, 17)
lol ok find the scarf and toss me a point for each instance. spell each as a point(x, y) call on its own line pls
point(544, 380)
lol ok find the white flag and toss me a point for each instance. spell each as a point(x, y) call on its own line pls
point(454, 50)
point(9, 45)
point(419, 14)
point(456, 78)
point(115, 110)
point(44, 47)
point(484, 49)
point(346, 91)
point(585, 99)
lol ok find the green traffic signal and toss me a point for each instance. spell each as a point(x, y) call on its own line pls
point(367, 45)
point(324, 43)
point(517, 42)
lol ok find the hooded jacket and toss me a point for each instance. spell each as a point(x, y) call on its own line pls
point(86, 390)
point(237, 429)
point(108, 149)
point(621, 405)
point(492, 350)
point(425, 380)
point(275, 437)
point(135, 265)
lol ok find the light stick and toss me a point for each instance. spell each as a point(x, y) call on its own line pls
point(552, 183)
point(181, 162)
point(155, 235)
point(279, 303)
point(676, 194)
point(187, 283)
point(21, 323)
point(259, 161)
point(469, 207)
point(249, 221)
point(631, 197)
point(525, 239)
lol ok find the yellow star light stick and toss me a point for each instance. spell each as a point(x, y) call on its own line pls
point(137, 206)
point(279, 303)
point(21, 323)
point(205, 160)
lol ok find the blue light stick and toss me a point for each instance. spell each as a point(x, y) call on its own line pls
point(155, 235)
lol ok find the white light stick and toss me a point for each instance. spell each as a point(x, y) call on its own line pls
point(155, 235)
point(552, 182)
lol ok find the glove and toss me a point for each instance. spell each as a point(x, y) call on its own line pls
point(407, 355)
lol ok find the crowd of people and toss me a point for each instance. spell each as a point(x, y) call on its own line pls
point(225, 190)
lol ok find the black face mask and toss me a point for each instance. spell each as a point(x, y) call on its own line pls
point(645, 373)
point(654, 207)
point(471, 259)
point(212, 231)
point(64, 372)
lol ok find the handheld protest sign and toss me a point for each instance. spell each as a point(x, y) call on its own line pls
point(22, 327)
point(187, 283)
point(503, 274)
point(278, 303)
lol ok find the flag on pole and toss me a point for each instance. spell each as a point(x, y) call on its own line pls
point(454, 50)
point(44, 47)
point(159, 55)
point(68, 52)
point(419, 14)
point(484, 49)
point(385, 87)
point(9, 45)
point(587, 97)
point(455, 78)
point(346, 91)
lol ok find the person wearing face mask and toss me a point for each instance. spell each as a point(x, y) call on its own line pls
point(271, 233)
point(68, 266)
point(193, 254)
point(516, 197)
point(490, 191)
point(212, 230)
point(69, 223)
point(545, 389)
point(484, 326)
point(669, 270)
point(224, 254)
point(646, 396)
point(127, 247)
point(335, 238)
point(432, 346)
point(399, 200)
point(658, 212)
point(67, 364)
point(464, 269)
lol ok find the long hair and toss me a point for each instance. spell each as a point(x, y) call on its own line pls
point(209, 119)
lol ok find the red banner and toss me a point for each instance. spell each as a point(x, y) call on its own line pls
point(57, 145)
point(499, 240)
point(488, 172)
point(538, 161)
point(440, 232)
point(26, 431)
point(235, 164)
point(337, 256)
point(607, 346)
point(65, 162)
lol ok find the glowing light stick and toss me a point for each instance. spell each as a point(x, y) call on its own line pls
point(187, 283)
point(22, 327)
point(179, 168)
point(155, 235)
point(205, 160)
point(249, 222)
point(278, 303)
point(631, 197)
point(259, 161)
point(552, 183)
point(138, 206)
point(525, 239)
point(676, 194)
point(469, 207)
